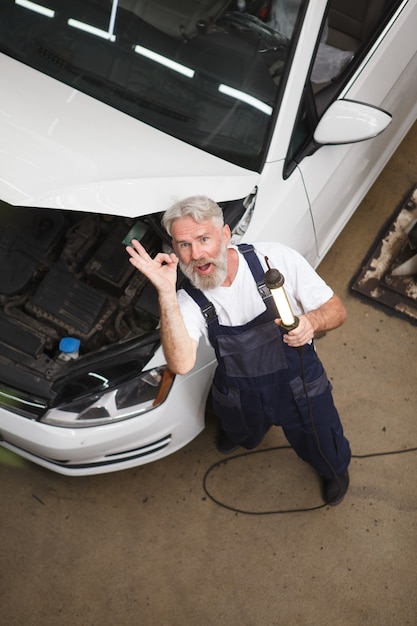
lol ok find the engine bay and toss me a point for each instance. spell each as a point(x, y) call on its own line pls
point(67, 274)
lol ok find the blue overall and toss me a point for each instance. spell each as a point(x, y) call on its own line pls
point(260, 382)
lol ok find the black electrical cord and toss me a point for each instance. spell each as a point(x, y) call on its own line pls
point(317, 441)
point(279, 511)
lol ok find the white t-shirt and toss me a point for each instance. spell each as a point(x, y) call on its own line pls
point(239, 303)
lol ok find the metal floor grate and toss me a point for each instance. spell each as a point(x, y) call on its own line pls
point(375, 281)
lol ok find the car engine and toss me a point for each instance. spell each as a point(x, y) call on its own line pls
point(66, 273)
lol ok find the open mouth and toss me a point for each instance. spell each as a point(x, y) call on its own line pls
point(203, 269)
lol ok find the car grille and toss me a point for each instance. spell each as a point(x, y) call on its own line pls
point(117, 457)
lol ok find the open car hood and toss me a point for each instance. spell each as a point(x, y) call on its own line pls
point(61, 148)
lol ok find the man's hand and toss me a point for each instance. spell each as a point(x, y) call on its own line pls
point(300, 335)
point(327, 317)
point(161, 271)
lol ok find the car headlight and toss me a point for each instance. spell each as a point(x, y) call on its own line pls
point(129, 399)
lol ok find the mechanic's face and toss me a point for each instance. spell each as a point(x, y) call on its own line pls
point(201, 250)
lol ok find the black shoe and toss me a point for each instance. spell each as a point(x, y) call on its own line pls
point(334, 489)
point(225, 445)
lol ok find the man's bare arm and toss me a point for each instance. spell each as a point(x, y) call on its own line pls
point(179, 348)
point(327, 317)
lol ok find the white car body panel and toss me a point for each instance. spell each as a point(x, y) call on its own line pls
point(70, 151)
point(388, 81)
point(287, 212)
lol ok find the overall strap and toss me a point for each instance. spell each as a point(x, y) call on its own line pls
point(207, 308)
point(258, 273)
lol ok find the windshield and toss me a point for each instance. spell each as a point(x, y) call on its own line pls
point(199, 70)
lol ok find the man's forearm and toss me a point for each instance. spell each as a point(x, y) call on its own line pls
point(329, 316)
point(179, 348)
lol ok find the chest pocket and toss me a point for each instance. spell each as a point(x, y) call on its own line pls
point(252, 352)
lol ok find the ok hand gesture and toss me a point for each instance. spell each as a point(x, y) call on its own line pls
point(161, 271)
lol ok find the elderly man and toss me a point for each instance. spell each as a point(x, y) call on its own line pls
point(265, 375)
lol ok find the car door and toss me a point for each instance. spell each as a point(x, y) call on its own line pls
point(373, 62)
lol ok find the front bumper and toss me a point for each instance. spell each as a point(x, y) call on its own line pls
point(120, 445)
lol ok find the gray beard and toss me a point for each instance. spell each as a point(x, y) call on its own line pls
point(215, 279)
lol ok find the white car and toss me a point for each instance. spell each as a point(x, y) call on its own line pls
point(284, 112)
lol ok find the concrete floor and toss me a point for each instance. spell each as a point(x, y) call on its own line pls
point(148, 547)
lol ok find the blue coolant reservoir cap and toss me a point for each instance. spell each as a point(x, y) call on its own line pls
point(69, 345)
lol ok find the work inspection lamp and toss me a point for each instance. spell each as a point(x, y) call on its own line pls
point(274, 280)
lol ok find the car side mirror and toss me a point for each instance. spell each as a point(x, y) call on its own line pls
point(347, 121)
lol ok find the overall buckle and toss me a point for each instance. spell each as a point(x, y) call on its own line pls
point(209, 312)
